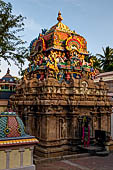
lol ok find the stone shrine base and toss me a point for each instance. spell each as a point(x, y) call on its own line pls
point(109, 146)
point(49, 152)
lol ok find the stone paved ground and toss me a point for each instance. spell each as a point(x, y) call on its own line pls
point(84, 163)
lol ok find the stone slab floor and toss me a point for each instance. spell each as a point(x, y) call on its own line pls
point(84, 163)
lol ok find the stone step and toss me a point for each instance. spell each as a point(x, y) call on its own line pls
point(102, 153)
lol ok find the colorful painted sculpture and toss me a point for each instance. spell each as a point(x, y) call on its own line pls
point(60, 50)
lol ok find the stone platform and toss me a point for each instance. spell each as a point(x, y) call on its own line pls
point(90, 148)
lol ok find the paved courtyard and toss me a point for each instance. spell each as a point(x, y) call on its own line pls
point(84, 163)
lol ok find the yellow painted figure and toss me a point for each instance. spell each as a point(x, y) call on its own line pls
point(52, 62)
point(91, 61)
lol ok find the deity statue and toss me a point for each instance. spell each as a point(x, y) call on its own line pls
point(42, 75)
point(60, 76)
point(82, 59)
point(91, 61)
point(52, 63)
point(86, 132)
point(60, 57)
point(64, 57)
point(63, 129)
point(67, 76)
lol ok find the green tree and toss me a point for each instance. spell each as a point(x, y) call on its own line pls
point(12, 47)
point(106, 60)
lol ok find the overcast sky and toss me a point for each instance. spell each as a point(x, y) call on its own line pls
point(93, 19)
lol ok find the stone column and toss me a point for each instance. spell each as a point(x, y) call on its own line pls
point(7, 158)
point(21, 156)
point(31, 149)
point(57, 128)
point(30, 125)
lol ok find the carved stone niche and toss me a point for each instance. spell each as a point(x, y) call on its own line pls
point(63, 128)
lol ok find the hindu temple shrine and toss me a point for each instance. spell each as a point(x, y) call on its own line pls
point(16, 147)
point(57, 95)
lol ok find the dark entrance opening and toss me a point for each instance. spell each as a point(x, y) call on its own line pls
point(81, 123)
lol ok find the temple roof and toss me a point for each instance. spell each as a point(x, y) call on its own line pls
point(60, 26)
point(58, 37)
point(7, 78)
point(12, 130)
point(11, 125)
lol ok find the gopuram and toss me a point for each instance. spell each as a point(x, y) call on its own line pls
point(57, 95)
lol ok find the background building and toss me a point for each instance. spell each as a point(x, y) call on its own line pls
point(107, 77)
point(7, 88)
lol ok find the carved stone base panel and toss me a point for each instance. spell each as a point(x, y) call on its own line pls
point(54, 151)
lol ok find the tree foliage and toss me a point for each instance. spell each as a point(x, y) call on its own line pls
point(12, 47)
point(106, 60)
